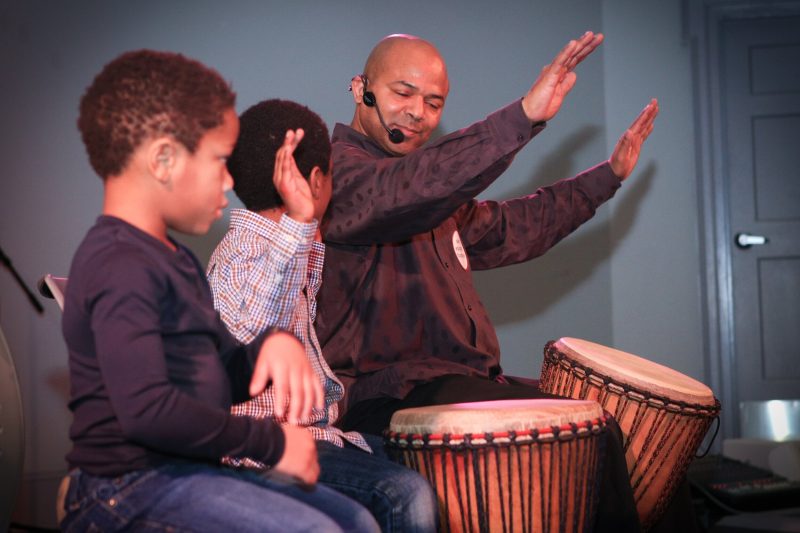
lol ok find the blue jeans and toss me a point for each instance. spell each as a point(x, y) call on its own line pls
point(398, 497)
point(199, 497)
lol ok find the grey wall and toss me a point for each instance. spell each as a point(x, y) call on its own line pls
point(629, 278)
point(655, 262)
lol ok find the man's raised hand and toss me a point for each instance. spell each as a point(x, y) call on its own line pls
point(626, 153)
point(545, 97)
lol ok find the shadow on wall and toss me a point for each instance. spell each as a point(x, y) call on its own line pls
point(527, 290)
point(559, 163)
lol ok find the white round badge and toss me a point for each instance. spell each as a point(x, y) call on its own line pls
point(459, 250)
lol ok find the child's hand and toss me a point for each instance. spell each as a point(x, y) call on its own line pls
point(283, 361)
point(289, 183)
point(299, 459)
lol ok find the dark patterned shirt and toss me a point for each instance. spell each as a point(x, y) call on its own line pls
point(397, 305)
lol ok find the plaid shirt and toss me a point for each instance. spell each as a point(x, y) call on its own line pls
point(264, 274)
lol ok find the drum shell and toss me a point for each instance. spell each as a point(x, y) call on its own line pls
point(660, 435)
point(538, 480)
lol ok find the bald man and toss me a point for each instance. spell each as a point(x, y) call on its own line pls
point(399, 318)
point(403, 232)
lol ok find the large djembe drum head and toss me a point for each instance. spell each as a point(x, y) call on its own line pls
point(507, 465)
point(663, 414)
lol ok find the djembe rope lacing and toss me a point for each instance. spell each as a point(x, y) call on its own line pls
point(575, 375)
point(477, 451)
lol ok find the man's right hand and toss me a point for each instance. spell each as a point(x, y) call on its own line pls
point(299, 460)
point(545, 97)
point(290, 183)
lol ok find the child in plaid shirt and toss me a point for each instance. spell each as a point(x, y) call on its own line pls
point(266, 272)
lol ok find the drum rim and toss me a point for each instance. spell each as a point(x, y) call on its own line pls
point(544, 434)
point(690, 389)
point(552, 354)
point(493, 416)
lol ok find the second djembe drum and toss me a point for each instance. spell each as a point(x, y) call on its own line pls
point(507, 465)
point(663, 414)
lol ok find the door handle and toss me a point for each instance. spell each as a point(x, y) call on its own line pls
point(745, 240)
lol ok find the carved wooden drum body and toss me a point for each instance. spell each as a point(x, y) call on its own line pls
point(663, 414)
point(507, 465)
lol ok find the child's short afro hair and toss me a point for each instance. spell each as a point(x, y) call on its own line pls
point(262, 131)
point(144, 94)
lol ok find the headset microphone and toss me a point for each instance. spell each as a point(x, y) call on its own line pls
point(395, 135)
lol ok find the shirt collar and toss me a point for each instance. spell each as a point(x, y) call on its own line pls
point(346, 134)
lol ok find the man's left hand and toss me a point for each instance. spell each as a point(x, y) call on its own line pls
point(626, 153)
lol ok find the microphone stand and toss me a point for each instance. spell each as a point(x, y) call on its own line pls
point(7, 263)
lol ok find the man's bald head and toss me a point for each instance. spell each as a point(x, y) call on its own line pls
point(409, 79)
point(391, 46)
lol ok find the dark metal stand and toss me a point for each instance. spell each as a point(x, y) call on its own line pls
point(7, 263)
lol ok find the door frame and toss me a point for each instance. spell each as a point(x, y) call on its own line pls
point(702, 29)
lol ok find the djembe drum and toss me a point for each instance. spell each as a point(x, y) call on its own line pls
point(663, 414)
point(507, 465)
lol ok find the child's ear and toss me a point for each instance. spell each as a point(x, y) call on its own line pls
point(316, 181)
point(161, 159)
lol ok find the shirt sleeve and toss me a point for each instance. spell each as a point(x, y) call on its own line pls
point(377, 198)
point(239, 360)
point(152, 410)
point(503, 233)
point(316, 260)
point(255, 279)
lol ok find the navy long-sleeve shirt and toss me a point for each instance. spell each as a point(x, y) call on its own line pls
point(153, 370)
point(397, 305)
